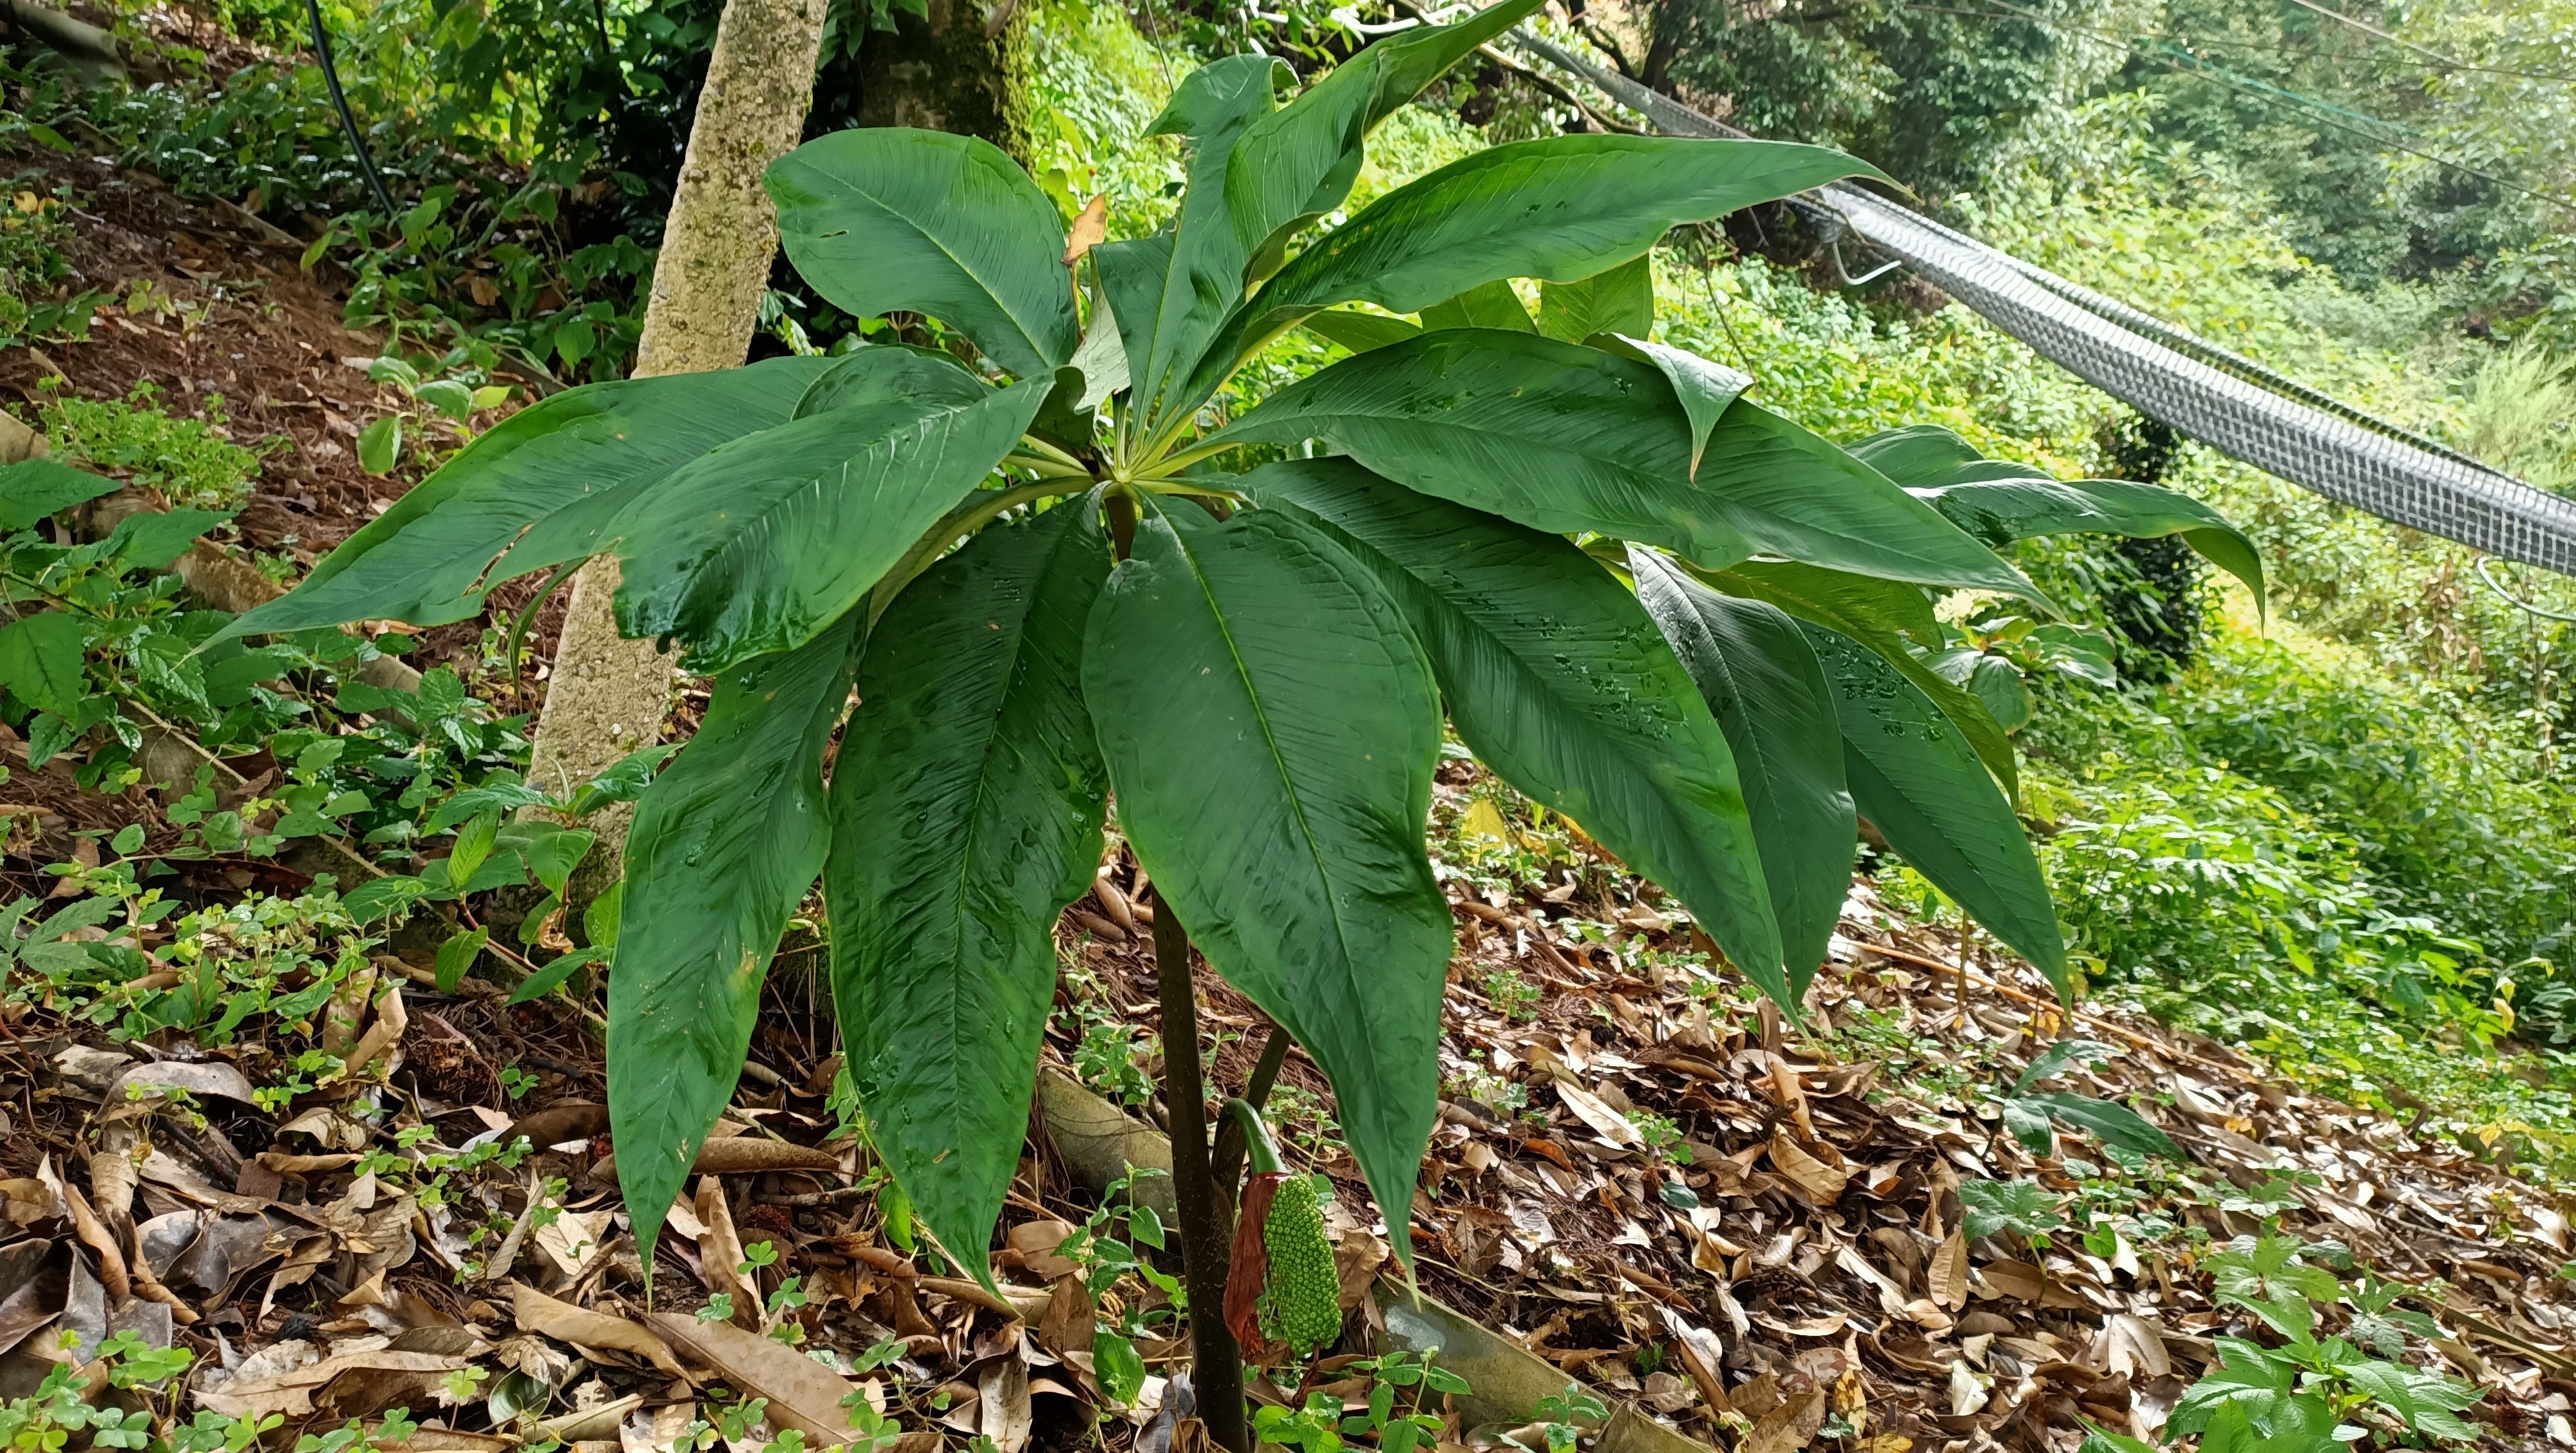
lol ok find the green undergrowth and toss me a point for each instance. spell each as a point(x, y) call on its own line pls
point(2290, 851)
point(190, 462)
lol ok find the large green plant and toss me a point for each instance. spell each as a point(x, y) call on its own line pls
point(1684, 621)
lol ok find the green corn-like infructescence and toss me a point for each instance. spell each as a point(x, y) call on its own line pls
point(1301, 1301)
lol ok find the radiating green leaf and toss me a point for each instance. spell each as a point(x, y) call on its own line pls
point(1917, 455)
point(756, 546)
point(40, 660)
point(1916, 777)
point(1761, 678)
point(1882, 615)
point(886, 218)
point(966, 808)
point(1568, 439)
point(1172, 292)
point(1561, 209)
point(1493, 304)
point(537, 487)
point(34, 488)
point(724, 844)
point(1705, 387)
point(2000, 501)
point(1102, 358)
point(1298, 163)
point(1618, 299)
point(2003, 510)
point(1360, 331)
point(1270, 727)
point(1559, 682)
point(889, 373)
point(1988, 1206)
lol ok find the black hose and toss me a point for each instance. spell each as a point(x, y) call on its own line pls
point(340, 102)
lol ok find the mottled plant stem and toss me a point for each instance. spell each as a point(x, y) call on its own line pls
point(1216, 1365)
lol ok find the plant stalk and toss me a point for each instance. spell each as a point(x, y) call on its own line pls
point(1216, 1365)
point(1256, 1095)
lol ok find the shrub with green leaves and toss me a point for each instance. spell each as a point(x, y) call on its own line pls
point(194, 464)
point(1676, 617)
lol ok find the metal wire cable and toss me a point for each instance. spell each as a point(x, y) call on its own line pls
point(2229, 403)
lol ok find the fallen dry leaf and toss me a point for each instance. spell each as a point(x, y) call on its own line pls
point(738, 1155)
point(542, 1314)
point(1820, 1183)
point(2018, 1280)
point(802, 1393)
point(1004, 1398)
point(720, 1255)
point(1945, 1277)
point(292, 1393)
point(1788, 1427)
point(1596, 1113)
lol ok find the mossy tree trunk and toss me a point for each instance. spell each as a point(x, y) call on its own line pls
point(956, 68)
point(608, 694)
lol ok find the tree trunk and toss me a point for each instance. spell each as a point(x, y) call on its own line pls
point(953, 69)
point(608, 694)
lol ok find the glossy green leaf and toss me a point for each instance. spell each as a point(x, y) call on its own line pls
point(380, 444)
point(1360, 331)
point(1916, 777)
point(2000, 501)
point(890, 373)
point(1619, 299)
point(966, 807)
point(552, 975)
point(1270, 728)
point(1298, 163)
point(1102, 358)
point(1761, 678)
point(1705, 387)
point(537, 488)
point(152, 539)
point(1994, 682)
point(1569, 439)
point(2003, 510)
point(2115, 1125)
point(1882, 615)
point(1171, 292)
point(1559, 682)
point(32, 489)
point(891, 218)
point(759, 544)
point(457, 955)
point(1562, 209)
point(1486, 305)
point(40, 660)
point(1917, 455)
point(724, 845)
